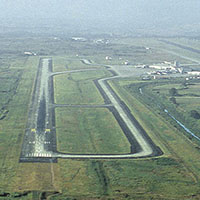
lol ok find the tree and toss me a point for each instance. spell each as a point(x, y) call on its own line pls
point(195, 114)
point(173, 100)
point(173, 92)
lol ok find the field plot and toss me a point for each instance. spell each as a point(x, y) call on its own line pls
point(69, 63)
point(78, 88)
point(89, 131)
point(13, 124)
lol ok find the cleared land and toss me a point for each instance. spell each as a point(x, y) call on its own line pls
point(77, 88)
point(89, 131)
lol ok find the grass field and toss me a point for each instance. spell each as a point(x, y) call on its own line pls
point(13, 126)
point(78, 88)
point(64, 63)
point(93, 131)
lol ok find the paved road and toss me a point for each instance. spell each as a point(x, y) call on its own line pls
point(40, 137)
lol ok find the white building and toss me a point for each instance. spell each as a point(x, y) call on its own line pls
point(108, 58)
point(162, 67)
point(29, 53)
point(81, 39)
point(194, 73)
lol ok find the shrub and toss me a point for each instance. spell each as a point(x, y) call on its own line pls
point(173, 92)
point(195, 114)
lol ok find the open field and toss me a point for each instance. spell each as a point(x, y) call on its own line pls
point(63, 63)
point(78, 88)
point(174, 175)
point(89, 131)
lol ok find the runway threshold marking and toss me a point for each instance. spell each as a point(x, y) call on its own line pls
point(47, 130)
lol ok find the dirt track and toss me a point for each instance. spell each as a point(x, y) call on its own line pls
point(40, 137)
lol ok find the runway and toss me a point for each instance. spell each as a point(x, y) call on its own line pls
point(39, 143)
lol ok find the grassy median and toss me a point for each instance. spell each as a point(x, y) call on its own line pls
point(89, 130)
point(78, 88)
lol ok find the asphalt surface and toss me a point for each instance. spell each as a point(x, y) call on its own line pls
point(40, 139)
point(40, 136)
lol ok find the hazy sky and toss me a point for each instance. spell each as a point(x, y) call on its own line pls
point(132, 13)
